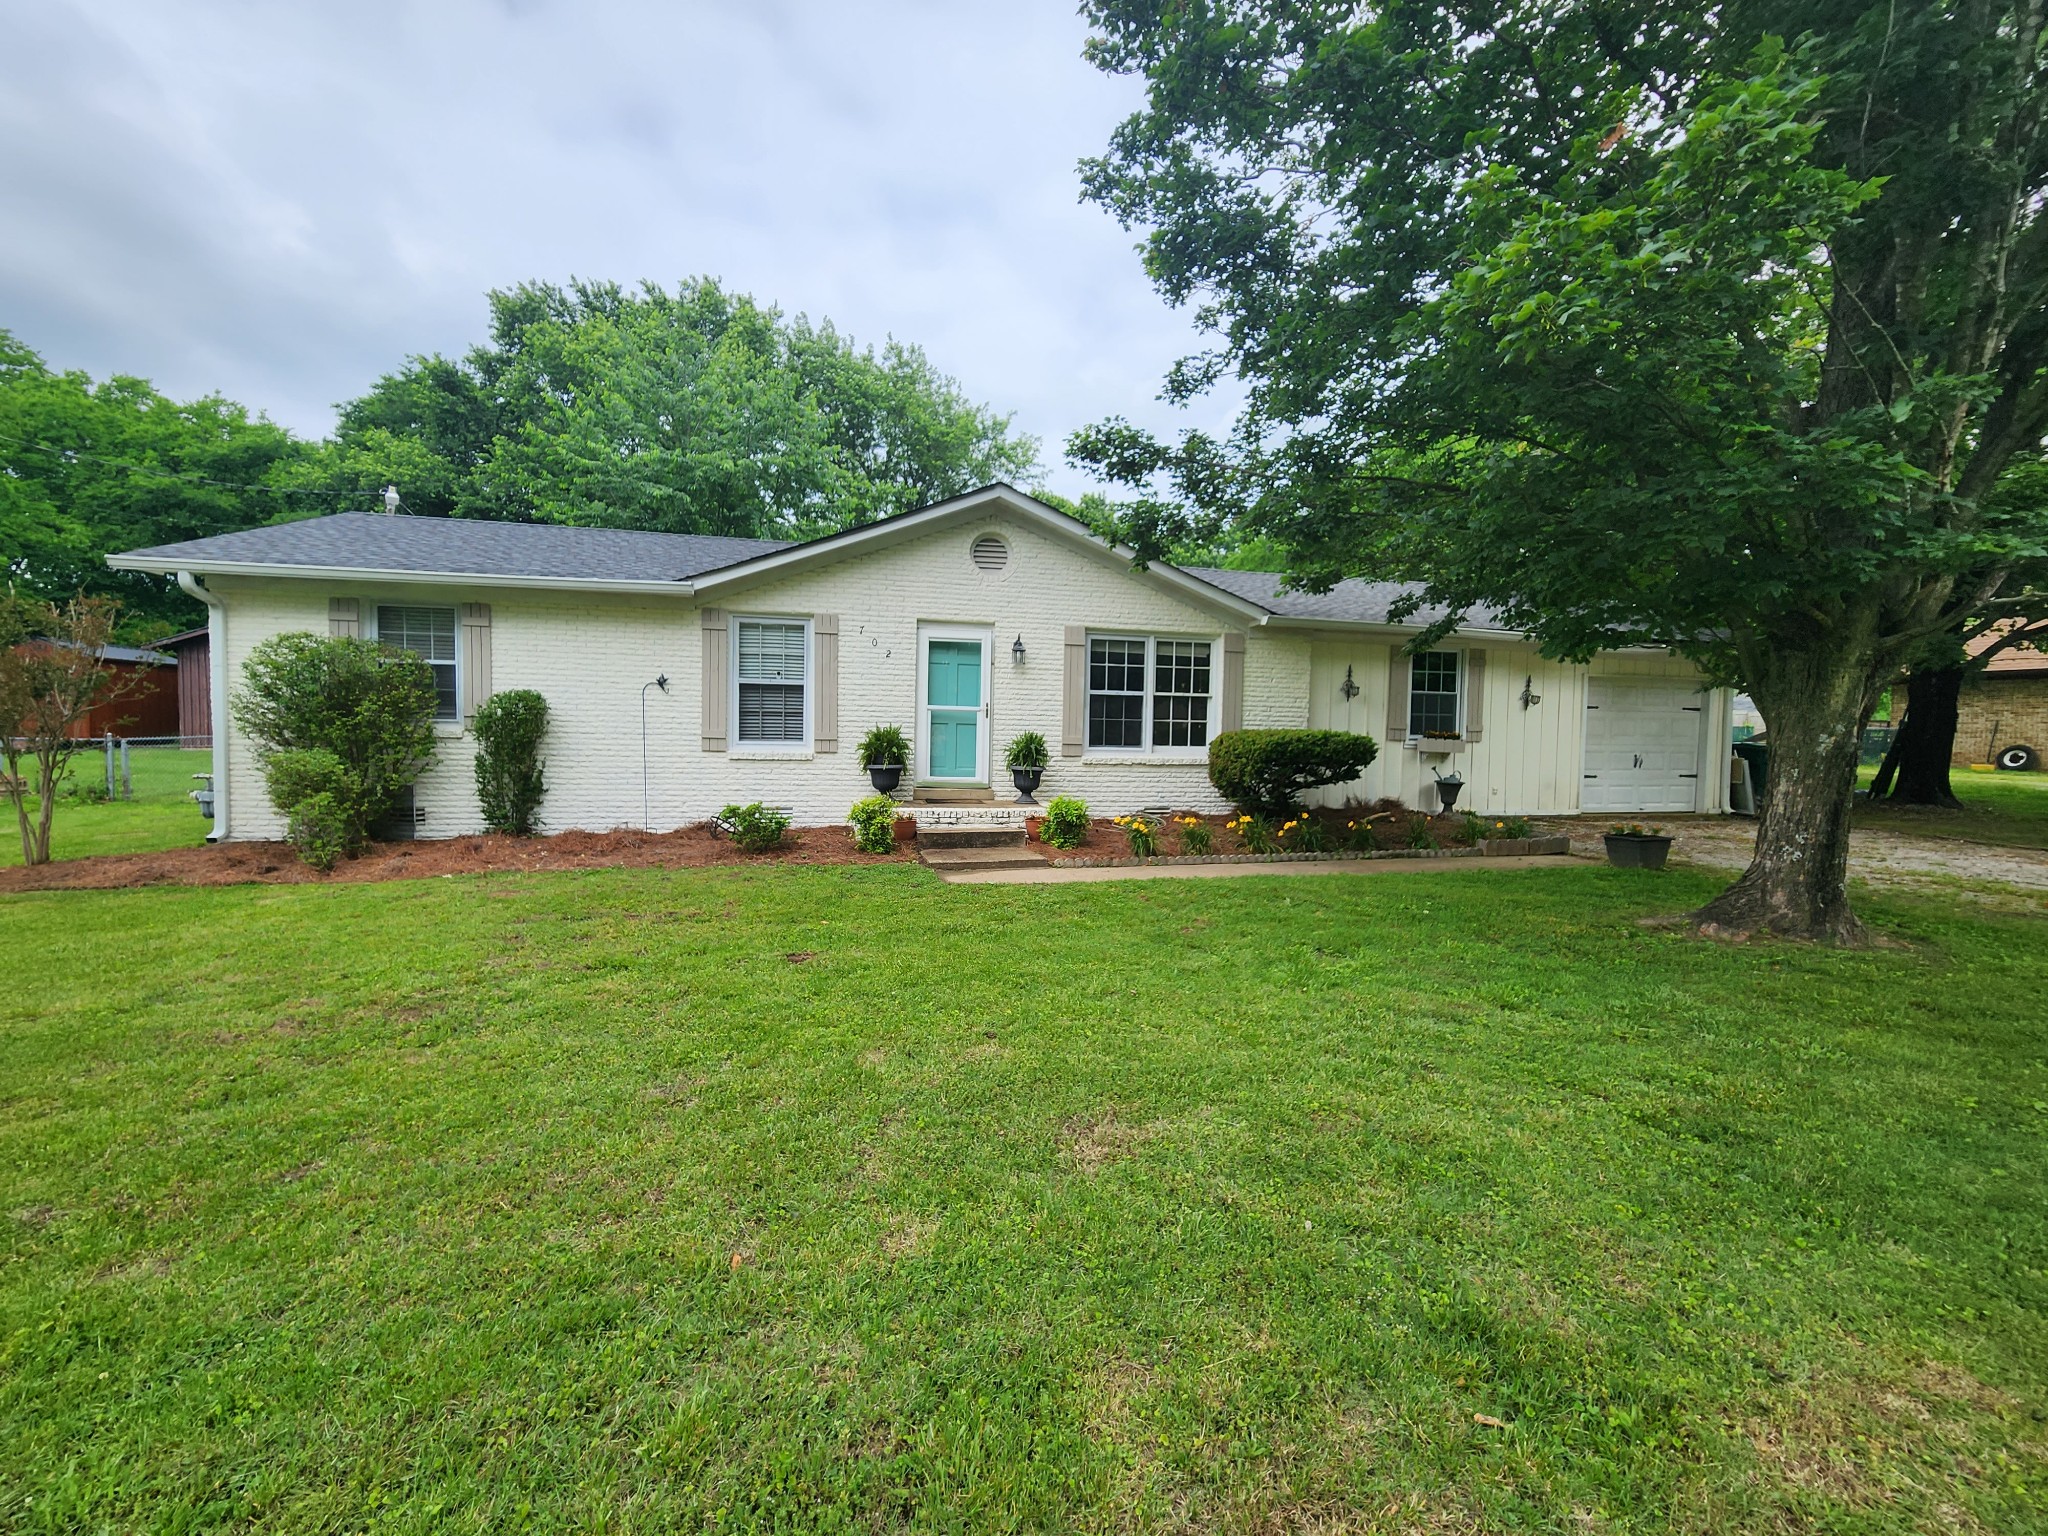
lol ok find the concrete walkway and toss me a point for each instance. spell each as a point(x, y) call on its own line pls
point(1053, 874)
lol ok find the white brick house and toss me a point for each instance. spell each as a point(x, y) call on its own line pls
point(964, 623)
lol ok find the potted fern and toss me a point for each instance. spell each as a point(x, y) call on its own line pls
point(1026, 760)
point(883, 754)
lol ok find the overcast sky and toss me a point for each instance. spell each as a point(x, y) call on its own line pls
point(279, 202)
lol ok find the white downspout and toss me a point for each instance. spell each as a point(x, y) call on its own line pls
point(217, 696)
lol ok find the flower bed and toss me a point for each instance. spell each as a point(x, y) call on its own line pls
point(1385, 829)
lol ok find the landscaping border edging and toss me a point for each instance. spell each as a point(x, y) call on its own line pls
point(1499, 848)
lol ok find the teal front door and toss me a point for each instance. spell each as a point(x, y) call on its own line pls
point(953, 708)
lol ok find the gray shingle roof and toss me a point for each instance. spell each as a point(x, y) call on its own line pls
point(1350, 602)
point(372, 541)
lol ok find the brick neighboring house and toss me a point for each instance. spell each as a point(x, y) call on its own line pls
point(2005, 705)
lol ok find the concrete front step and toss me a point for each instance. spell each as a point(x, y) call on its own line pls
point(971, 835)
point(955, 859)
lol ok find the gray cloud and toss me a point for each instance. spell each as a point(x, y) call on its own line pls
point(280, 202)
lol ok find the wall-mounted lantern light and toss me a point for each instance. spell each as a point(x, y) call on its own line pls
point(1349, 687)
point(1529, 695)
point(1017, 650)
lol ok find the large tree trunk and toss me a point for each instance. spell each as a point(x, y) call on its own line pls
point(1926, 741)
point(1796, 885)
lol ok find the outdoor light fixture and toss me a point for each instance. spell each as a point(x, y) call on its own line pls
point(1530, 695)
point(1017, 650)
point(661, 682)
point(1348, 687)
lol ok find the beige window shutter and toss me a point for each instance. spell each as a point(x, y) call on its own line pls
point(825, 671)
point(344, 618)
point(1230, 714)
point(1475, 695)
point(1397, 696)
point(1074, 693)
point(476, 658)
point(717, 689)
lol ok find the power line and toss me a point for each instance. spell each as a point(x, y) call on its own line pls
point(173, 474)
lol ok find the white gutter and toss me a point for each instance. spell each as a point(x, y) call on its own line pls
point(217, 696)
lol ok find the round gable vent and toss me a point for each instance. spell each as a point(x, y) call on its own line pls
point(989, 553)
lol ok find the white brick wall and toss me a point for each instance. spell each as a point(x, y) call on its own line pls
point(590, 653)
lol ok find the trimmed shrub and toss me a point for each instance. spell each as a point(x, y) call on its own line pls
point(1065, 824)
point(874, 824)
point(298, 776)
point(756, 828)
point(366, 706)
point(318, 830)
point(1266, 772)
point(884, 746)
point(510, 773)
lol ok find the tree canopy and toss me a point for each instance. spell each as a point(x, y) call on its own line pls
point(1712, 327)
point(94, 468)
point(697, 411)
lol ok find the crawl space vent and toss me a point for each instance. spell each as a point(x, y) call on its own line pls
point(989, 553)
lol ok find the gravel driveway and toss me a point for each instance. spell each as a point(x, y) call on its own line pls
point(1883, 858)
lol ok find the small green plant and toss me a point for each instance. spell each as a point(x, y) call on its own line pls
point(1065, 824)
point(1358, 835)
point(1195, 837)
point(318, 830)
point(884, 746)
point(87, 789)
point(1255, 832)
point(1498, 828)
point(874, 824)
point(1027, 750)
point(1421, 834)
point(757, 828)
point(1302, 834)
point(1143, 833)
point(1634, 829)
point(510, 774)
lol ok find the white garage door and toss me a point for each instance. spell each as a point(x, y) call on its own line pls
point(1642, 745)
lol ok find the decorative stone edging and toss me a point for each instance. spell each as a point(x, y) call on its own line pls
point(1498, 848)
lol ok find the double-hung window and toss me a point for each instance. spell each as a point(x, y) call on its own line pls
point(428, 633)
point(1433, 694)
point(1148, 694)
point(771, 681)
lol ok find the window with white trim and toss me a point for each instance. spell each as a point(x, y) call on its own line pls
point(1433, 694)
point(428, 633)
point(1148, 694)
point(771, 682)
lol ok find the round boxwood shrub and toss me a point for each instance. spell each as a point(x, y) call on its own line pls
point(757, 828)
point(318, 830)
point(510, 774)
point(1266, 772)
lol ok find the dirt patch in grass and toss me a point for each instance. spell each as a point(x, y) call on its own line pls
point(1100, 1137)
point(276, 864)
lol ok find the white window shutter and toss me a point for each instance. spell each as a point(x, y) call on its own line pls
point(476, 658)
point(1230, 711)
point(344, 618)
point(717, 686)
point(1397, 696)
point(825, 673)
point(1074, 693)
point(1475, 695)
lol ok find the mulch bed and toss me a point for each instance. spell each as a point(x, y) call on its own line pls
point(1393, 826)
point(276, 864)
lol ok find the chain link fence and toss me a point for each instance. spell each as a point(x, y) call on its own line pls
point(148, 769)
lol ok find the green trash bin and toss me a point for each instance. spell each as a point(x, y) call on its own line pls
point(1758, 755)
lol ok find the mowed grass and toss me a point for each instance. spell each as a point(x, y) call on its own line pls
point(829, 1199)
point(161, 814)
point(2009, 809)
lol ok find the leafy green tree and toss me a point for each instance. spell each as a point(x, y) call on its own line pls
point(696, 411)
point(1622, 319)
point(90, 468)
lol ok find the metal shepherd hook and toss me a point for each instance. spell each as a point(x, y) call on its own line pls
point(661, 682)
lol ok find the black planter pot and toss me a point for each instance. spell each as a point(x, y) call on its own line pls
point(1447, 792)
point(1625, 852)
point(1026, 780)
point(885, 777)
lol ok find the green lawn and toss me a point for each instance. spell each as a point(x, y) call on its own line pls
point(161, 814)
point(2010, 809)
point(1219, 1205)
